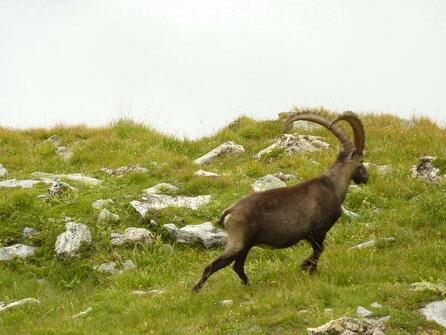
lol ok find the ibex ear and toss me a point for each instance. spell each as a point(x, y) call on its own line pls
point(352, 154)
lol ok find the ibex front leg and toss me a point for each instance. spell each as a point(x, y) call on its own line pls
point(317, 243)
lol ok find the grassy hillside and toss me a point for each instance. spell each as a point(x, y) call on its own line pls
point(389, 205)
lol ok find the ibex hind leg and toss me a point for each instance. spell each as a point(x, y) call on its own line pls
point(317, 243)
point(239, 265)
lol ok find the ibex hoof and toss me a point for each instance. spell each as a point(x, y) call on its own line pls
point(308, 266)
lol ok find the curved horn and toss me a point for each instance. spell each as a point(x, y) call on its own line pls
point(317, 118)
point(358, 128)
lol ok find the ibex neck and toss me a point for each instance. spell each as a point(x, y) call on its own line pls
point(341, 176)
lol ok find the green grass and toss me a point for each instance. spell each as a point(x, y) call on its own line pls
point(390, 205)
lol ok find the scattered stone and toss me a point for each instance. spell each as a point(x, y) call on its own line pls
point(107, 217)
point(153, 225)
point(4, 307)
point(16, 250)
point(83, 313)
point(28, 232)
point(351, 215)
point(227, 302)
point(58, 187)
point(284, 177)
point(3, 171)
point(295, 144)
point(372, 243)
point(69, 243)
point(109, 267)
point(381, 169)
point(48, 177)
point(426, 170)
point(203, 173)
point(435, 311)
point(125, 170)
point(128, 265)
point(151, 292)
point(267, 182)
point(363, 312)
point(101, 203)
point(376, 305)
point(204, 233)
point(227, 148)
point(132, 235)
point(22, 183)
point(54, 139)
point(64, 152)
point(422, 286)
point(161, 201)
point(161, 188)
point(349, 326)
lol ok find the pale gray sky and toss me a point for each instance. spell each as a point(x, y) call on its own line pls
point(190, 67)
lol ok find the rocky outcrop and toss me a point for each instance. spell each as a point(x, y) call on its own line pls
point(125, 170)
point(426, 170)
point(22, 183)
point(161, 201)
point(435, 311)
point(227, 148)
point(267, 182)
point(205, 234)
point(69, 243)
point(295, 144)
point(71, 176)
point(16, 250)
point(349, 326)
point(132, 235)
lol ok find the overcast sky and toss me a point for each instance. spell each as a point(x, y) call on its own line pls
point(190, 67)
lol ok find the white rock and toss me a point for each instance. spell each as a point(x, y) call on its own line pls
point(128, 265)
point(58, 187)
point(435, 311)
point(69, 242)
point(305, 125)
point(23, 183)
point(295, 144)
point(132, 235)
point(3, 171)
point(427, 286)
point(161, 201)
point(349, 326)
point(284, 177)
point(64, 152)
point(227, 148)
point(101, 203)
point(376, 305)
point(372, 243)
point(267, 182)
point(71, 176)
point(16, 250)
point(125, 170)
point(107, 217)
point(203, 173)
point(4, 307)
point(83, 313)
point(351, 215)
point(109, 267)
point(425, 170)
point(381, 169)
point(28, 232)
point(204, 233)
point(363, 312)
point(160, 187)
point(227, 302)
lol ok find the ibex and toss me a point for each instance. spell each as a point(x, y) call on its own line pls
point(281, 217)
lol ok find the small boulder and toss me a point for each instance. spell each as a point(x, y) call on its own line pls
point(28, 232)
point(125, 170)
point(284, 177)
point(3, 171)
point(203, 173)
point(227, 148)
point(128, 265)
point(69, 243)
point(435, 311)
point(64, 152)
point(376, 305)
point(16, 250)
point(161, 201)
point(363, 312)
point(295, 144)
point(101, 203)
point(132, 235)
point(204, 233)
point(109, 267)
point(161, 188)
point(267, 182)
point(372, 243)
point(54, 139)
point(349, 326)
point(23, 183)
point(107, 217)
point(59, 187)
point(426, 170)
point(351, 215)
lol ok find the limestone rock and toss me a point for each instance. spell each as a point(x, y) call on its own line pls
point(351, 215)
point(71, 176)
point(3, 171)
point(422, 286)
point(160, 201)
point(349, 326)
point(16, 250)
point(132, 235)
point(28, 232)
point(435, 311)
point(203, 173)
point(267, 182)
point(125, 170)
point(101, 203)
point(128, 265)
point(363, 312)
point(107, 217)
point(376, 305)
point(4, 307)
point(59, 187)
point(204, 233)
point(372, 243)
point(426, 170)
point(109, 267)
point(295, 144)
point(284, 177)
point(22, 183)
point(227, 148)
point(160, 187)
point(69, 243)
point(64, 152)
